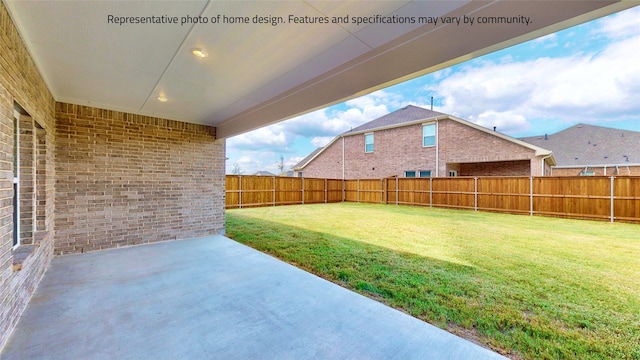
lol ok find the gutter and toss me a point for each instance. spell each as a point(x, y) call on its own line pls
point(543, 162)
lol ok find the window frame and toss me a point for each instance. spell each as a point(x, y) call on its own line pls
point(424, 171)
point(366, 135)
point(16, 180)
point(409, 171)
point(434, 135)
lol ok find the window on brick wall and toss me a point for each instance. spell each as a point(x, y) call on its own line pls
point(29, 177)
point(16, 179)
point(424, 173)
point(428, 135)
point(410, 174)
point(368, 143)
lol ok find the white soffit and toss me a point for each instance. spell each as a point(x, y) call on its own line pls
point(258, 74)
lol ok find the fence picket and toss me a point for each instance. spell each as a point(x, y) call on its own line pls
point(612, 198)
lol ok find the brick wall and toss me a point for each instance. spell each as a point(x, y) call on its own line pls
point(126, 179)
point(460, 144)
point(496, 168)
point(400, 149)
point(21, 87)
point(328, 164)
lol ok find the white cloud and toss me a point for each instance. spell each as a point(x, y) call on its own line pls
point(505, 122)
point(320, 141)
point(620, 25)
point(270, 136)
point(584, 87)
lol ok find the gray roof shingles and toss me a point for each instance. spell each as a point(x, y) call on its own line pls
point(582, 145)
point(406, 114)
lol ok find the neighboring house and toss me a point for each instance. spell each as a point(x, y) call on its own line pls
point(416, 142)
point(592, 150)
point(264, 173)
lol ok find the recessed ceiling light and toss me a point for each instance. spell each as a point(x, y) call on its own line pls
point(199, 52)
point(162, 98)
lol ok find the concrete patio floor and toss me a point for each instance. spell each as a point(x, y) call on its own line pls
point(212, 298)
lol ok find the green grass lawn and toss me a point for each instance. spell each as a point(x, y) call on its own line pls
point(527, 287)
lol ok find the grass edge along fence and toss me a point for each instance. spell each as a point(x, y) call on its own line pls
point(607, 198)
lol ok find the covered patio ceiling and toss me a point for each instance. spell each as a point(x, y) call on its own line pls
point(259, 74)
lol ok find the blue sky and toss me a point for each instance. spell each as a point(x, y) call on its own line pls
point(589, 73)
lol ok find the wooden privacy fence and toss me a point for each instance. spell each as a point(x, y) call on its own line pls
point(614, 198)
point(252, 191)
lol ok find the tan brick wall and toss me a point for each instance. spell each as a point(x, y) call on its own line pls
point(328, 164)
point(463, 144)
point(400, 149)
point(126, 179)
point(497, 168)
point(21, 83)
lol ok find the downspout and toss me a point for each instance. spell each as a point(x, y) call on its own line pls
point(343, 192)
point(543, 162)
point(437, 149)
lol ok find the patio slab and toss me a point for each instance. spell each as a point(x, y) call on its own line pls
point(212, 298)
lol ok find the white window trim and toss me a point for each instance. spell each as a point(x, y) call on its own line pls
point(16, 178)
point(419, 173)
point(415, 173)
point(453, 173)
point(372, 143)
point(435, 135)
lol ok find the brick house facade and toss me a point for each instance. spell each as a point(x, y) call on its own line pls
point(417, 142)
point(87, 179)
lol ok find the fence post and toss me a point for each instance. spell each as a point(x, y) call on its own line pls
point(358, 191)
point(612, 200)
point(239, 192)
point(475, 193)
point(397, 190)
point(274, 191)
point(303, 191)
point(430, 192)
point(530, 195)
point(383, 192)
point(325, 191)
point(342, 189)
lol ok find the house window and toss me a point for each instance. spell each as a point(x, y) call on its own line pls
point(409, 174)
point(16, 180)
point(424, 173)
point(453, 173)
point(368, 143)
point(428, 135)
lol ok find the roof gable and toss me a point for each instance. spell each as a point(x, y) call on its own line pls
point(410, 115)
point(307, 158)
point(407, 114)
